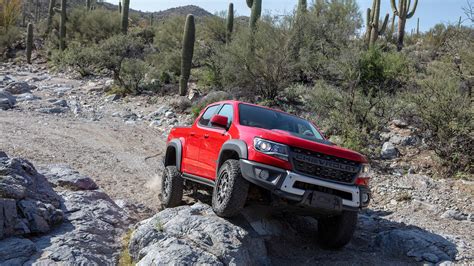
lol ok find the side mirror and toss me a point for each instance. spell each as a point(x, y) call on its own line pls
point(219, 121)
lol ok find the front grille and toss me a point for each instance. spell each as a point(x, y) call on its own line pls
point(324, 166)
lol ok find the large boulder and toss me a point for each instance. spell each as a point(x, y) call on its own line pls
point(74, 224)
point(28, 202)
point(194, 235)
point(7, 100)
point(417, 243)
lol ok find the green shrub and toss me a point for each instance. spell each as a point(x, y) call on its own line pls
point(92, 26)
point(264, 71)
point(82, 59)
point(8, 38)
point(132, 75)
point(446, 112)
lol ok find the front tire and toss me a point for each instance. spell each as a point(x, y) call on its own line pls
point(230, 192)
point(171, 187)
point(336, 231)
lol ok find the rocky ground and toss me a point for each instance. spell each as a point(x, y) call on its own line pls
point(57, 122)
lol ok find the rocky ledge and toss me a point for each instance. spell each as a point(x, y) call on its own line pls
point(55, 216)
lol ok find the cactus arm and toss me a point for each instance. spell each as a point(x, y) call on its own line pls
point(255, 13)
point(384, 25)
point(394, 7)
point(125, 10)
point(369, 18)
point(412, 12)
point(57, 10)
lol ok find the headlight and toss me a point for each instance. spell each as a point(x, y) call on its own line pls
point(271, 148)
point(364, 171)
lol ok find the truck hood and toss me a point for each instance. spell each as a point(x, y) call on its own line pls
point(287, 138)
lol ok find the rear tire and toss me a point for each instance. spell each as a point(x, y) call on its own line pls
point(171, 187)
point(230, 193)
point(335, 232)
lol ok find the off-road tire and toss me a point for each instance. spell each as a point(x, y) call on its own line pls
point(336, 231)
point(172, 186)
point(230, 192)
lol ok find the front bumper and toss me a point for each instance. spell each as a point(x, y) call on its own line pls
point(305, 189)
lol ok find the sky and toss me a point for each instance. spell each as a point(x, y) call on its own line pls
point(430, 12)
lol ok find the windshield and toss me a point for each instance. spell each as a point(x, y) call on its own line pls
point(254, 116)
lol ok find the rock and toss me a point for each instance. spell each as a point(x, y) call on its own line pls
point(194, 235)
point(470, 217)
point(403, 140)
point(53, 110)
point(7, 101)
point(61, 102)
point(63, 176)
point(399, 123)
point(169, 115)
point(453, 214)
point(388, 151)
point(112, 97)
point(26, 97)
point(215, 96)
point(158, 113)
point(417, 243)
point(19, 88)
point(40, 216)
point(16, 250)
point(61, 91)
point(155, 123)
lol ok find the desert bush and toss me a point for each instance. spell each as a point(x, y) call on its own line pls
point(82, 59)
point(118, 48)
point(446, 112)
point(92, 26)
point(264, 71)
point(132, 75)
point(383, 70)
point(9, 14)
point(168, 43)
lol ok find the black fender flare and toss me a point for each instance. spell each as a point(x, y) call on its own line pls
point(236, 145)
point(178, 147)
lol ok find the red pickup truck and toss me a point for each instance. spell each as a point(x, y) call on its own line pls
point(233, 146)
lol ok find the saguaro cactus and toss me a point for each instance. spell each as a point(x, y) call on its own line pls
point(418, 27)
point(373, 30)
point(189, 37)
point(302, 6)
point(120, 6)
point(29, 42)
point(230, 22)
point(49, 21)
point(255, 13)
point(88, 4)
point(125, 7)
point(403, 12)
point(249, 3)
point(62, 25)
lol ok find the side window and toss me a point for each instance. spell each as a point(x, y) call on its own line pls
point(206, 117)
point(228, 111)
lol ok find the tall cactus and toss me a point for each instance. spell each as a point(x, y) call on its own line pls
point(230, 22)
point(29, 42)
point(189, 37)
point(62, 25)
point(373, 30)
point(151, 19)
point(120, 6)
point(403, 12)
point(255, 13)
point(302, 6)
point(418, 27)
point(125, 7)
point(88, 4)
point(49, 21)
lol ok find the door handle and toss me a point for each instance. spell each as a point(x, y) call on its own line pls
point(206, 136)
point(192, 133)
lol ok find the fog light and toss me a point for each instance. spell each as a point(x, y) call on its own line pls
point(264, 174)
point(365, 197)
